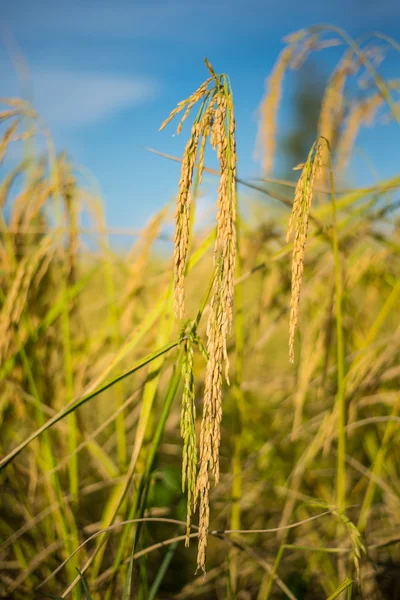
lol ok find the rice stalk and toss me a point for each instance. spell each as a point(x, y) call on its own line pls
point(360, 113)
point(69, 192)
point(114, 320)
point(333, 103)
point(8, 136)
point(141, 440)
point(298, 223)
point(199, 129)
point(239, 412)
point(17, 295)
point(283, 469)
point(215, 121)
point(266, 140)
point(220, 318)
point(188, 430)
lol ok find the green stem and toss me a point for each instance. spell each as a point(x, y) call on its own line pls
point(267, 593)
point(113, 318)
point(237, 424)
point(341, 396)
point(65, 319)
point(140, 496)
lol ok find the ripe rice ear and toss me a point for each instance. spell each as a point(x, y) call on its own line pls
point(299, 223)
point(332, 104)
point(188, 431)
point(18, 293)
point(266, 142)
point(216, 122)
point(7, 138)
point(360, 113)
point(220, 318)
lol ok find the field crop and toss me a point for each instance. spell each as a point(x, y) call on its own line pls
point(220, 420)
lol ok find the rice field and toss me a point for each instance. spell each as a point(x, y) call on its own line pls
point(219, 420)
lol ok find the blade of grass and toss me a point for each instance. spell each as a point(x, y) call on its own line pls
point(84, 587)
point(76, 404)
point(149, 393)
point(342, 588)
point(162, 571)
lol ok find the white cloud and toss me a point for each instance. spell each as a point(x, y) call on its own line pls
point(69, 97)
point(74, 98)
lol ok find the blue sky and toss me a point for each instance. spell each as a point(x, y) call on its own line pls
point(105, 74)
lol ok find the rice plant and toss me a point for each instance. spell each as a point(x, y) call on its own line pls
point(158, 441)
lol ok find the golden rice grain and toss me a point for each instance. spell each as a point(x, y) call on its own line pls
point(182, 221)
point(220, 318)
point(215, 121)
point(360, 113)
point(17, 294)
point(188, 431)
point(299, 221)
point(188, 103)
point(333, 98)
point(269, 108)
point(7, 138)
point(309, 44)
